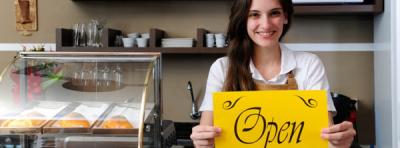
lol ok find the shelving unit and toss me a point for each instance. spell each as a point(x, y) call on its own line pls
point(367, 7)
point(64, 42)
point(64, 36)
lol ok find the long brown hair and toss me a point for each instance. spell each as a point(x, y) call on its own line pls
point(241, 46)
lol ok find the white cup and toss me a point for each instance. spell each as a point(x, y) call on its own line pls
point(220, 42)
point(210, 35)
point(210, 40)
point(219, 36)
point(142, 42)
point(133, 35)
point(128, 42)
point(145, 35)
point(210, 43)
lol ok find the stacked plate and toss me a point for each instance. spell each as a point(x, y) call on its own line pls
point(177, 42)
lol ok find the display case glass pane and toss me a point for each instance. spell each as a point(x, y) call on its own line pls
point(66, 95)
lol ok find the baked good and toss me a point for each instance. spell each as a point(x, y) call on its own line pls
point(74, 119)
point(117, 121)
point(29, 119)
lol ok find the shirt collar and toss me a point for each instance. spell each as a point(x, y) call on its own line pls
point(288, 60)
point(288, 63)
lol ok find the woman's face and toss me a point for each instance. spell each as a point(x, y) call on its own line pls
point(265, 22)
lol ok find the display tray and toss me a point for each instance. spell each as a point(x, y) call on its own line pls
point(51, 117)
point(79, 119)
point(31, 119)
point(21, 130)
point(122, 119)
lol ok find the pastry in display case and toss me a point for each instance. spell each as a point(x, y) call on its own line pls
point(122, 119)
point(31, 118)
point(83, 99)
point(77, 120)
point(118, 122)
point(26, 120)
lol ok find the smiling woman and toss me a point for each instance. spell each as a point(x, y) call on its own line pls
point(257, 60)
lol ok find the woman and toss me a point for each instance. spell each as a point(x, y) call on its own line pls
point(256, 60)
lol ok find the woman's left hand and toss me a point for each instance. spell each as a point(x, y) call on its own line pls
point(339, 135)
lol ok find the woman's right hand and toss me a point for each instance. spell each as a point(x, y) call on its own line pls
point(203, 135)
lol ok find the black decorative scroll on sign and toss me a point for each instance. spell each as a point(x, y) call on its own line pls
point(310, 102)
point(227, 105)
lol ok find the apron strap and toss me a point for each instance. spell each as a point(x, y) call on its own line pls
point(291, 84)
point(291, 81)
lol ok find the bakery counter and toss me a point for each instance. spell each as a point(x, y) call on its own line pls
point(64, 99)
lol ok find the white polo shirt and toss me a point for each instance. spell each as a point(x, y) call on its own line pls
point(308, 70)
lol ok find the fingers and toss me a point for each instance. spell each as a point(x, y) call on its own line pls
point(205, 128)
point(204, 132)
point(342, 143)
point(338, 127)
point(339, 135)
point(203, 136)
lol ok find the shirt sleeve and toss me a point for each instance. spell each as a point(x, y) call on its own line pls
point(215, 82)
point(317, 80)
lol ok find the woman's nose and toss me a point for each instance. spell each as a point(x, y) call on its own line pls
point(265, 22)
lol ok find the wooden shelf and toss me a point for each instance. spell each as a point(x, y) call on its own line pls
point(194, 50)
point(64, 43)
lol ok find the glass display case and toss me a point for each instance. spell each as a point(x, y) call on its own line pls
point(81, 99)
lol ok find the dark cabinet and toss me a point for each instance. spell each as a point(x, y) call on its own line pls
point(367, 7)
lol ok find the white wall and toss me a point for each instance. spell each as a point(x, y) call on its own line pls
point(387, 71)
point(396, 46)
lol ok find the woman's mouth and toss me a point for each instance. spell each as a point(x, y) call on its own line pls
point(266, 34)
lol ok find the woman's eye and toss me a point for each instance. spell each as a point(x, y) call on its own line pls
point(253, 14)
point(275, 13)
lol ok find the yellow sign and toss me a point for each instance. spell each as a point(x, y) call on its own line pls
point(275, 119)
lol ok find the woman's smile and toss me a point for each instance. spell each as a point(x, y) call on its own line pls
point(266, 34)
